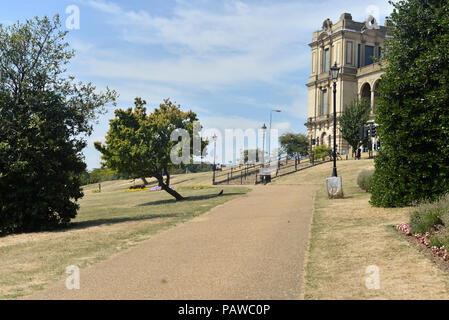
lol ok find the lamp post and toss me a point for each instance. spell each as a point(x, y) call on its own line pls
point(264, 130)
point(215, 149)
point(269, 141)
point(334, 76)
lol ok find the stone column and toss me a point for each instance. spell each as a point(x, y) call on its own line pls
point(373, 94)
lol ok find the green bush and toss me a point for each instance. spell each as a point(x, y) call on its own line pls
point(364, 180)
point(431, 216)
point(321, 152)
point(412, 111)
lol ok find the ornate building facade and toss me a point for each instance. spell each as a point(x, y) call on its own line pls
point(354, 46)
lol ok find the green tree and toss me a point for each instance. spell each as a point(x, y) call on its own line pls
point(139, 144)
point(322, 152)
point(355, 115)
point(294, 145)
point(44, 119)
point(413, 113)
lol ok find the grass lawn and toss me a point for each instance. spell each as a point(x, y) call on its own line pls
point(107, 223)
point(349, 235)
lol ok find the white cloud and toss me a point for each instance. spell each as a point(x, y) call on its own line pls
point(210, 48)
point(104, 6)
point(223, 47)
point(282, 125)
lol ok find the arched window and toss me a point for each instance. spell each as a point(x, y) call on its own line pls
point(365, 93)
point(324, 139)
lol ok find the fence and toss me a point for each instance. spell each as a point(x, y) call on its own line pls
point(240, 174)
point(251, 174)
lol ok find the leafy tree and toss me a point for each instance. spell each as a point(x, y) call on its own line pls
point(84, 179)
point(106, 174)
point(294, 145)
point(44, 119)
point(321, 152)
point(139, 144)
point(355, 115)
point(413, 113)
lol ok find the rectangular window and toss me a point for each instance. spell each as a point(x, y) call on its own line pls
point(313, 62)
point(369, 54)
point(379, 55)
point(349, 52)
point(326, 60)
point(325, 102)
point(359, 53)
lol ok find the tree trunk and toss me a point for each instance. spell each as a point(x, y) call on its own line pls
point(145, 182)
point(167, 174)
point(167, 188)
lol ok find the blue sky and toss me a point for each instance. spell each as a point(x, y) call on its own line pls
point(229, 61)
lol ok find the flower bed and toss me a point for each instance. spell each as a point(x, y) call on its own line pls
point(424, 240)
point(157, 188)
point(136, 189)
point(143, 188)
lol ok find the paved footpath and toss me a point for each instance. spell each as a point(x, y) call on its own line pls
point(252, 247)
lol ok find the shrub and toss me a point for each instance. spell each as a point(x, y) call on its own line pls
point(45, 119)
point(412, 108)
point(364, 180)
point(322, 152)
point(431, 217)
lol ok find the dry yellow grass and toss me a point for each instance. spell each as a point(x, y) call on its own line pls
point(107, 223)
point(349, 235)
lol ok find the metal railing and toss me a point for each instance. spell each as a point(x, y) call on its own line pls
point(240, 174)
point(253, 173)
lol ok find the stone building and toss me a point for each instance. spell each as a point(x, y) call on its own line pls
point(354, 46)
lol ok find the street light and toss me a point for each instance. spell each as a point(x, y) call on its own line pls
point(269, 141)
point(335, 70)
point(264, 130)
point(215, 149)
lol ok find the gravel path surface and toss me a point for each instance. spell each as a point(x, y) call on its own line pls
point(252, 247)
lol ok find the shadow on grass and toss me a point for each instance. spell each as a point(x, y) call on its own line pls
point(99, 222)
point(187, 199)
point(95, 223)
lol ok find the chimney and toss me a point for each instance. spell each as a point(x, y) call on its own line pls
point(346, 16)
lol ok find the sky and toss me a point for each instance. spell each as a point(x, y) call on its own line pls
point(231, 62)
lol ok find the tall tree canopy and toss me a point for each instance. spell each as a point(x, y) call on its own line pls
point(140, 144)
point(355, 115)
point(44, 117)
point(294, 144)
point(413, 113)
